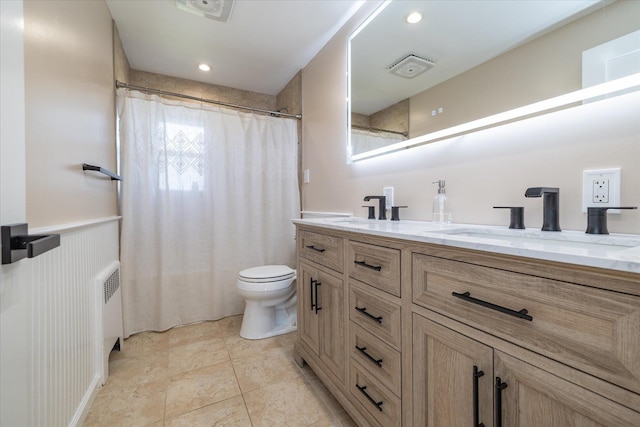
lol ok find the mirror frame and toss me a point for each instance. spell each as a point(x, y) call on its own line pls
point(537, 108)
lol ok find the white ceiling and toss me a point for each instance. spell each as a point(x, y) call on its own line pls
point(260, 48)
point(456, 34)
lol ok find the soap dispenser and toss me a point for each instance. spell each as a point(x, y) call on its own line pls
point(441, 213)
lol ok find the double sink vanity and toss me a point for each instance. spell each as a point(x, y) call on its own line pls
point(419, 324)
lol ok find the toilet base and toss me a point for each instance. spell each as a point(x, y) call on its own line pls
point(261, 322)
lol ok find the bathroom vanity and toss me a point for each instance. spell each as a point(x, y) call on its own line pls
point(416, 324)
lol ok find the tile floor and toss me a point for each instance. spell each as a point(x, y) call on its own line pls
point(205, 374)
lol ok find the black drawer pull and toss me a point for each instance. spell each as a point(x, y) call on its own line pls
point(363, 350)
point(476, 407)
point(362, 390)
point(522, 314)
point(364, 264)
point(314, 248)
point(363, 310)
point(498, 401)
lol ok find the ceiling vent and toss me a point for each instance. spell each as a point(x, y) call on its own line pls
point(212, 9)
point(410, 66)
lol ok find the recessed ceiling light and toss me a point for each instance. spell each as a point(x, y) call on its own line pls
point(414, 18)
point(204, 67)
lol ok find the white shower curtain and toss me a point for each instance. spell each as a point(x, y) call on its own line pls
point(363, 140)
point(207, 192)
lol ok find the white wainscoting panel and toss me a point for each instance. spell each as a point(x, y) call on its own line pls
point(64, 372)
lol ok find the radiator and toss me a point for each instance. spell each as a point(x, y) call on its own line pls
point(109, 316)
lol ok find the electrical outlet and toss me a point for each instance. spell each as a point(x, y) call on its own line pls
point(601, 191)
point(388, 193)
point(601, 188)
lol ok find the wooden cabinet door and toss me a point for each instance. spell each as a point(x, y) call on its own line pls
point(443, 377)
point(308, 325)
point(331, 297)
point(534, 398)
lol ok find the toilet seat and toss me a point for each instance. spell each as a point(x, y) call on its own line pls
point(267, 273)
point(270, 298)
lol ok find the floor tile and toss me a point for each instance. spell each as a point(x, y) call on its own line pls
point(230, 412)
point(197, 388)
point(265, 368)
point(194, 332)
point(287, 403)
point(131, 406)
point(286, 340)
point(147, 342)
point(131, 367)
point(197, 355)
point(205, 374)
point(240, 348)
point(230, 326)
point(323, 393)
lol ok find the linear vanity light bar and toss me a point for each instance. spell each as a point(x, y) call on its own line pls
point(537, 107)
point(369, 19)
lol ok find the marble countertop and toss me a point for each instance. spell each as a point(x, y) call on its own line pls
point(612, 251)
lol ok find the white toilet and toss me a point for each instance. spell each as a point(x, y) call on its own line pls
point(270, 296)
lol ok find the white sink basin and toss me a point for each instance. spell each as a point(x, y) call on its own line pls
point(537, 238)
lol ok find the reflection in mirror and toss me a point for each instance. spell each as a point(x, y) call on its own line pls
point(431, 79)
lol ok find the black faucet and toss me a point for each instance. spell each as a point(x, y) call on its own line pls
point(550, 206)
point(597, 219)
point(382, 207)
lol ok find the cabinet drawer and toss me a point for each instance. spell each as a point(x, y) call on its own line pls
point(593, 330)
point(376, 315)
point(376, 266)
point(322, 249)
point(379, 402)
point(378, 358)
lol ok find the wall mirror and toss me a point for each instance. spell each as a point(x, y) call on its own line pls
point(464, 62)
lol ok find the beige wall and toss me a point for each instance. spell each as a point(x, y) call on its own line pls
point(70, 115)
point(203, 90)
point(394, 118)
point(121, 67)
point(291, 96)
point(548, 66)
point(483, 169)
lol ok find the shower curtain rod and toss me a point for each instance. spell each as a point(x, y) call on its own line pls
point(120, 84)
point(405, 134)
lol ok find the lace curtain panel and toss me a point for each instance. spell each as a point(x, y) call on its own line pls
point(208, 191)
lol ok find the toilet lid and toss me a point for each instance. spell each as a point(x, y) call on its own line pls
point(267, 273)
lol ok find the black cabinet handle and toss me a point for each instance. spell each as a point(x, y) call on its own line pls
point(371, 399)
point(364, 264)
point(522, 314)
point(311, 283)
point(314, 248)
point(317, 305)
point(363, 350)
point(476, 408)
point(498, 401)
point(363, 310)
